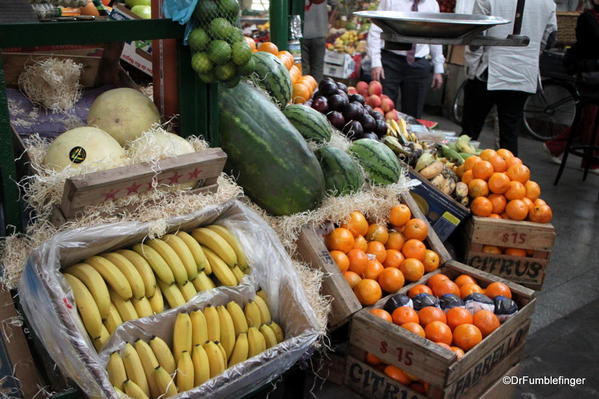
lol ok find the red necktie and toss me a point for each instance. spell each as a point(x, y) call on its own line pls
point(412, 51)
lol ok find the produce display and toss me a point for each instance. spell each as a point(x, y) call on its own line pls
point(128, 284)
point(204, 344)
point(347, 41)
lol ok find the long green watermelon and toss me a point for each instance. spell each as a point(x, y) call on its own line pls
point(342, 174)
point(267, 155)
point(311, 124)
point(271, 75)
point(380, 163)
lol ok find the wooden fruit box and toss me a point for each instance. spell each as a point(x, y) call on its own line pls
point(536, 238)
point(312, 250)
point(426, 360)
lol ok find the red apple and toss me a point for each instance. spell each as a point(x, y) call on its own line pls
point(392, 115)
point(380, 111)
point(362, 88)
point(352, 90)
point(374, 101)
point(375, 87)
point(387, 105)
point(383, 96)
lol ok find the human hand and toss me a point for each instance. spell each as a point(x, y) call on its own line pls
point(377, 73)
point(437, 82)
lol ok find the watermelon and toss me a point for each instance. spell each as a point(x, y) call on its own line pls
point(268, 156)
point(342, 174)
point(272, 75)
point(380, 163)
point(311, 124)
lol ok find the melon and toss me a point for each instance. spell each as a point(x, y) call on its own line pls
point(158, 144)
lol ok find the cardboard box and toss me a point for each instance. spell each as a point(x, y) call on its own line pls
point(338, 65)
point(137, 53)
point(335, 58)
point(455, 55)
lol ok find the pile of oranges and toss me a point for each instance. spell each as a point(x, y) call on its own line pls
point(500, 187)
point(376, 258)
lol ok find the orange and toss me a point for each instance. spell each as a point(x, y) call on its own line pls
point(357, 224)
point(516, 209)
point(495, 216)
point(464, 279)
point(438, 331)
point(414, 249)
point(468, 289)
point(539, 202)
point(250, 42)
point(419, 289)
point(412, 269)
point(404, 314)
point(444, 345)
point(470, 161)
point(399, 215)
point(287, 60)
point(436, 278)
point(358, 261)
point(499, 202)
point(513, 161)
point(383, 314)
point(505, 154)
point(441, 288)
point(482, 170)
point(419, 387)
point(393, 258)
point(377, 249)
point(529, 204)
point(533, 190)
point(499, 183)
point(460, 170)
point(486, 321)
point(519, 173)
point(269, 47)
point(481, 206)
point(391, 279)
point(499, 164)
point(457, 316)
point(397, 374)
point(295, 74)
point(300, 93)
point(466, 336)
point(431, 260)
point(341, 260)
point(490, 249)
point(487, 154)
point(340, 239)
point(372, 359)
point(373, 269)
point(416, 228)
point(352, 278)
point(89, 9)
point(515, 252)
point(368, 291)
point(467, 176)
point(458, 352)
point(541, 214)
point(377, 232)
point(429, 314)
point(310, 79)
point(395, 240)
point(498, 288)
point(415, 328)
point(478, 188)
point(515, 191)
point(361, 243)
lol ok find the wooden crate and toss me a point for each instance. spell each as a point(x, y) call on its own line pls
point(537, 238)
point(427, 360)
point(312, 250)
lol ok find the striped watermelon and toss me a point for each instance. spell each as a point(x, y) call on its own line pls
point(311, 124)
point(342, 175)
point(380, 163)
point(271, 75)
point(266, 154)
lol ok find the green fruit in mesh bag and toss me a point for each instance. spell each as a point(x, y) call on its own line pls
point(240, 53)
point(225, 72)
point(229, 8)
point(248, 68)
point(198, 39)
point(235, 36)
point(205, 11)
point(234, 81)
point(208, 77)
point(201, 63)
point(219, 52)
point(221, 29)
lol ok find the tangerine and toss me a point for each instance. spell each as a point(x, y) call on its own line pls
point(441, 288)
point(416, 228)
point(268, 47)
point(393, 258)
point(368, 291)
point(490, 249)
point(437, 331)
point(357, 224)
point(499, 202)
point(391, 279)
point(358, 261)
point(478, 188)
point(468, 289)
point(466, 336)
point(541, 214)
point(429, 314)
point(515, 191)
point(458, 351)
point(300, 93)
point(403, 315)
point(419, 289)
point(340, 239)
point(382, 313)
point(495, 216)
point(373, 269)
point(287, 59)
point(499, 164)
point(464, 279)
point(457, 316)
point(435, 278)
point(372, 359)
point(498, 288)
point(515, 251)
point(533, 190)
point(444, 345)
point(251, 42)
point(415, 328)
point(487, 154)
point(513, 161)
point(482, 170)
point(519, 173)
point(397, 374)
point(517, 209)
point(395, 240)
point(505, 154)
point(414, 249)
point(361, 243)
point(295, 74)
point(310, 79)
point(467, 176)
point(529, 204)
point(486, 321)
point(470, 162)
point(431, 260)
point(377, 232)
point(481, 206)
point(377, 249)
point(399, 215)
point(412, 269)
point(499, 183)
point(340, 259)
point(352, 278)
point(420, 387)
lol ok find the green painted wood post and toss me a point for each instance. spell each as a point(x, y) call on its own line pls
point(279, 23)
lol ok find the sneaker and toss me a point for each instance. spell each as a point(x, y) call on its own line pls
point(556, 160)
point(594, 171)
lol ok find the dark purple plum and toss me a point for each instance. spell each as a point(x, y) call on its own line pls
point(368, 108)
point(368, 122)
point(321, 104)
point(357, 98)
point(342, 86)
point(353, 130)
point(337, 102)
point(336, 118)
point(370, 135)
point(327, 88)
point(381, 127)
point(353, 111)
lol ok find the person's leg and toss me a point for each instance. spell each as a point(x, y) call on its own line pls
point(393, 77)
point(510, 104)
point(415, 86)
point(317, 58)
point(306, 66)
point(477, 104)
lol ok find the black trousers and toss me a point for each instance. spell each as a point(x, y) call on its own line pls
point(414, 81)
point(313, 57)
point(478, 101)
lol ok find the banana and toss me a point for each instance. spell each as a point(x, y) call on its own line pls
point(217, 244)
point(196, 251)
point(182, 335)
point(163, 354)
point(171, 258)
point(213, 323)
point(148, 362)
point(201, 365)
point(88, 310)
point(239, 275)
point(203, 283)
point(227, 330)
point(220, 269)
point(156, 262)
point(240, 350)
point(142, 307)
point(113, 320)
point(125, 308)
point(120, 393)
point(116, 370)
point(112, 275)
point(215, 358)
point(199, 328)
point(134, 368)
point(269, 336)
point(256, 342)
point(238, 317)
point(164, 383)
point(185, 372)
point(143, 268)
point(252, 314)
point(179, 246)
point(134, 391)
point(188, 291)
point(172, 293)
point(230, 238)
point(94, 283)
point(133, 277)
point(264, 311)
point(223, 352)
point(102, 339)
point(278, 331)
point(262, 294)
point(157, 301)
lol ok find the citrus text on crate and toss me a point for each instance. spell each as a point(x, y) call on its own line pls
point(507, 267)
point(546, 380)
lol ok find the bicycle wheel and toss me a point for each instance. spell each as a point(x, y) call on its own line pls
point(551, 111)
point(458, 104)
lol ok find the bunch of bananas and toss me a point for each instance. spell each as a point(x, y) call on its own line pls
point(127, 284)
point(205, 343)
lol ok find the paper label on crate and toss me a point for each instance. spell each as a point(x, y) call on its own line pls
point(525, 270)
point(451, 218)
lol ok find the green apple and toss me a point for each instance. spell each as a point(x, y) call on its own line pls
point(144, 12)
point(133, 3)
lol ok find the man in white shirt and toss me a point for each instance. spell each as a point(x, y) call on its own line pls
point(409, 71)
point(505, 76)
